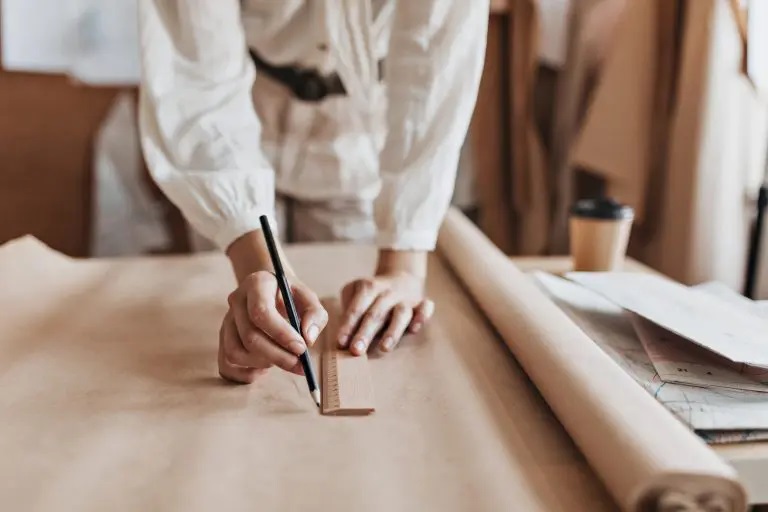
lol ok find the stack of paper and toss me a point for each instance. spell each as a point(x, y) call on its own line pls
point(677, 360)
point(692, 335)
point(673, 340)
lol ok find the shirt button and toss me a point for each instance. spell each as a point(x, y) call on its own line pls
point(322, 47)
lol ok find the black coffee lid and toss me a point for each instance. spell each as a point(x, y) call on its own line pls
point(602, 208)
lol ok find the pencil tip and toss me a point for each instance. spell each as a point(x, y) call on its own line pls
point(316, 397)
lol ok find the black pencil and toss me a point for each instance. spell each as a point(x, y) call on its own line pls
point(290, 307)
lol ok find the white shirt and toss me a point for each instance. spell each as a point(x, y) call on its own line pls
point(396, 141)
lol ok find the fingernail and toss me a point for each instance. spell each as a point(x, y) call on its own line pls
point(297, 348)
point(387, 343)
point(312, 332)
point(416, 326)
point(360, 346)
point(343, 338)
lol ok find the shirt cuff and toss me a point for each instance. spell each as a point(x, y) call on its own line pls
point(408, 240)
point(223, 206)
point(235, 228)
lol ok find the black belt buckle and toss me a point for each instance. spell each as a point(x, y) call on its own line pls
point(310, 86)
point(305, 84)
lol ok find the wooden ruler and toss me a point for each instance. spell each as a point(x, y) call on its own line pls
point(346, 385)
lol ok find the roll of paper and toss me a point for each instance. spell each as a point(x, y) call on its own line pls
point(646, 458)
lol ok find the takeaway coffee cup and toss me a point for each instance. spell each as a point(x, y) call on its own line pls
point(599, 234)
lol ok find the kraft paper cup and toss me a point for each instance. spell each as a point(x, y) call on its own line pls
point(599, 234)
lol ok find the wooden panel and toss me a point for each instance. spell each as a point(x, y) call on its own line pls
point(46, 131)
point(489, 135)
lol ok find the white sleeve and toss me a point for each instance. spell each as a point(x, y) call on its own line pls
point(433, 70)
point(199, 130)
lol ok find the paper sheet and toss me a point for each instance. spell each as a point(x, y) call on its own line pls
point(757, 53)
point(721, 290)
point(553, 15)
point(602, 408)
point(709, 411)
point(111, 401)
point(679, 361)
point(36, 35)
point(701, 318)
point(94, 41)
point(107, 35)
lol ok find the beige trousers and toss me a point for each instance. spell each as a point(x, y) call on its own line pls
point(323, 171)
point(344, 220)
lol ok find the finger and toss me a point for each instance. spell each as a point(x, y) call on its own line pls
point(228, 370)
point(363, 296)
point(401, 318)
point(236, 354)
point(250, 337)
point(421, 315)
point(271, 352)
point(314, 317)
point(263, 314)
point(372, 322)
point(237, 374)
point(280, 304)
point(233, 349)
point(297, 369)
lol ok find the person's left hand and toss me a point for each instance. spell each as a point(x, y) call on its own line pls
point(382, 308)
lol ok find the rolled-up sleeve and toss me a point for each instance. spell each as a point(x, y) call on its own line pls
point(199, 130)
point(433, 70)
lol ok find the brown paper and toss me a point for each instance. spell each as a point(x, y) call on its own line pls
point(110, 400)
point(646, 458)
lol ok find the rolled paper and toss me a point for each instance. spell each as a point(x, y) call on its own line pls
point(647, 459)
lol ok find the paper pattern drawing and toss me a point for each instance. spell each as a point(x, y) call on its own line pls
point(678, 360)
point(702, 318)
point(718, 415)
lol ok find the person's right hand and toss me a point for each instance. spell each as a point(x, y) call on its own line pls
point(256, 334)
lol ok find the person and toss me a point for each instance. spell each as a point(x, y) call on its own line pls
point(341, 118)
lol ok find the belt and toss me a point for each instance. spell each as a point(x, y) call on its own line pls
point(306, 84)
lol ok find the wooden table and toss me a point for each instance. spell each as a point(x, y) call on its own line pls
point(749, 459)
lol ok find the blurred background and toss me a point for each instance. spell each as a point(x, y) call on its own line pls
point(662, 104)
